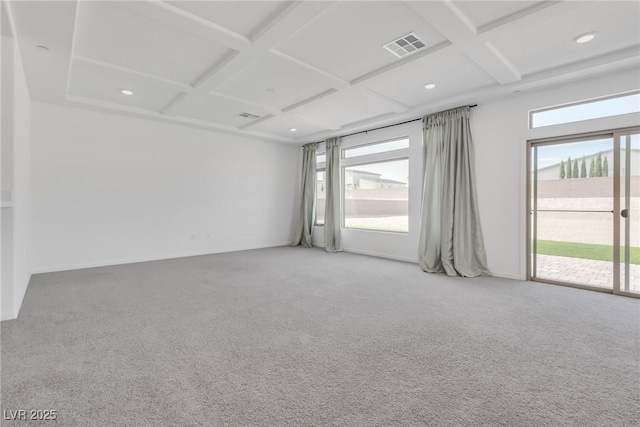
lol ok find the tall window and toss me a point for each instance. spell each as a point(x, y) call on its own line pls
point(321, 181)
point(376, 186)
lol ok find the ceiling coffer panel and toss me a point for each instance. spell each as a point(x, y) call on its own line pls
point(106, 85)
point(281, 126)
point(345, 107)
point(550, 43)
point(242, 17)
point(342, 42)
point(221, 110)
point(275, 83)
point(450, 73)
point(109, 32)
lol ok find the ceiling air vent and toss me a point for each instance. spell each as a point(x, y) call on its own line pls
point(249, 116)
point(405, 45)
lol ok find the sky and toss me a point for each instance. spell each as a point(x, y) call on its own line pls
point(552, 154)
point(590, 110)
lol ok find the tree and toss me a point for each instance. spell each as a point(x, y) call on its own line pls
point(569, 167)
point(599, 164)
point(605, 167)
point(574, 171)
point(561, 169)
point(592, 169)
point(583, 168)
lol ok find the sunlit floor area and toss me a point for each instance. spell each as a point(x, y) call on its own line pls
point(584, 271)
point(399, 224)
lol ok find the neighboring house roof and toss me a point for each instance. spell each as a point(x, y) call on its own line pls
point(391, 181)
point(363, 172)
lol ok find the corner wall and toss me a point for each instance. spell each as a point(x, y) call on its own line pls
point(15, 214)
point(109, 189)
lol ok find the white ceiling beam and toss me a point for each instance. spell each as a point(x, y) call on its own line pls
point(291, 20)
point(309, 100)
point(125, 110)
point(116, 69)
point(610, 60)
point(255, 122)
point(281, 26)
point(531, 16)
point(397, 107)
point(271, 110)
point(333, 80)
point(449, 21)
point(188, 22)
point(227, 67)
point(392, 66)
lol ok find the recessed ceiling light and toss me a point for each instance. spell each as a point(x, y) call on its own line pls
point(42, 48)
point(430, 86)
point(126, 92)
point(584, 38)
point(293, 129)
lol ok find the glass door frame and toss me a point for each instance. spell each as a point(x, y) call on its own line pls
point(615, 135)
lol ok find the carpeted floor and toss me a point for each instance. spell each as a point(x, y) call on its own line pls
point(299, 337)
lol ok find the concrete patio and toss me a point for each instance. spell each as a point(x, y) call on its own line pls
point(584, 271)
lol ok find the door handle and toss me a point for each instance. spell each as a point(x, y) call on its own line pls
point(624, 213)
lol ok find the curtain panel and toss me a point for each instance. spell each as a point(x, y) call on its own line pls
point(451, 238)
point(332, 238)
point(307, 213)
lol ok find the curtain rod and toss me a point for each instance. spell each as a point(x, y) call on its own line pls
point(388, 126)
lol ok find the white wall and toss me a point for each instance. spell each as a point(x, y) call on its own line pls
point(500, 132)
point(16, 157)
point(109, 189)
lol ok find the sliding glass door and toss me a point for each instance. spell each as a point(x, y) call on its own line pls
point(585, 213)
point(629, 201)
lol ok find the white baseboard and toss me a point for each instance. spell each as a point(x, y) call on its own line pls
point(379, 255)
point(414, 261)
point(506, 275)
point(8, 315)
point(151, 258)
point(15, 312)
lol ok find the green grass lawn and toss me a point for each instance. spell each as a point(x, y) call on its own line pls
point(584, 251)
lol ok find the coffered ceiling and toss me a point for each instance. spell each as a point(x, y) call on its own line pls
point(315, 66)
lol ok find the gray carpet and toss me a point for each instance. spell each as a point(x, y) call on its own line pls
point(299, 337)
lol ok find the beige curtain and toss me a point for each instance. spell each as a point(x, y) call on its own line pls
point(332, 238)
point(450, 234)
point(307, 198)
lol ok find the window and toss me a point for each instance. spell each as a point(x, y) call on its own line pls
point(586, 110)
point(379, 147)
point(321, 180)
point(376, 186)
point(320, 196)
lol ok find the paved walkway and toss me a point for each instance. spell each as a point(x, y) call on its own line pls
point(583, 271)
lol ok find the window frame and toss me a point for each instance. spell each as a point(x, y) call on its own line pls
point(581, 102)
point(368, 159)
point(343, 150)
